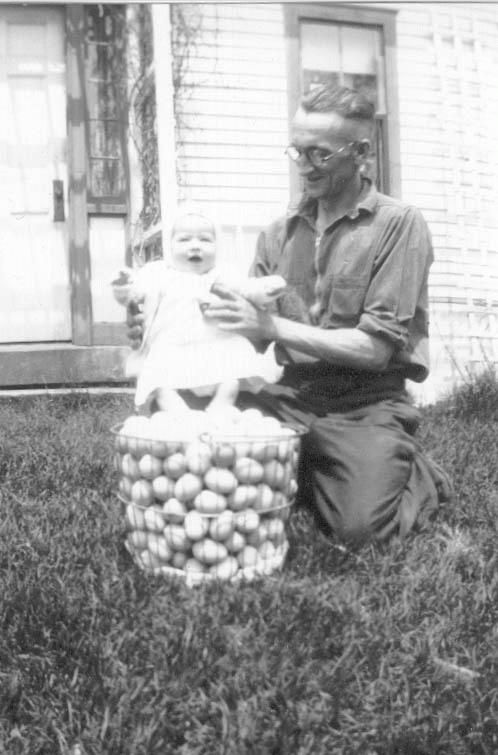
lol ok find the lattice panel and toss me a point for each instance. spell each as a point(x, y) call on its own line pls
point(464, 283)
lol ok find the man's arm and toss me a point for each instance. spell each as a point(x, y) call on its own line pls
point(345, 347)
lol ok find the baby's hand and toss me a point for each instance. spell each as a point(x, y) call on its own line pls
point(122, 285)
point(124, 277)
point(134, 324)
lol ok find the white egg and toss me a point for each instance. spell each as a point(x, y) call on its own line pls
point(248, 471)
point(159, 547)
point(124, 488)
point(226, 569)
point(154, 519)
point(187, 487)
point(222, 526)
point(150, 466)
point(136, 425)
point(179, 560)
point(175, 466)
point(263, 451)
point(209, 551)
point(243, 497)
point(280, 501)
point(137, 540)
point(195, 525)
point(250, 415)
point(259, 535)
point(149, 560)
point(246, 521)
point(266, 550)
point(163, 487)
point(192, 565)
point(271, 426)
point(138, 443)
point(224, 455)
point(159, 446)
point(276, 530)
point(265, 499)
point(198, 457)
point(242, 448)
point(141, 493)
point(174, 511)
point(129, 467)
point(135, 517)
point(176, 537)
point(235, 542)
point(209, 502)
point(220, 480)
point(248, 556)
point(275, 474)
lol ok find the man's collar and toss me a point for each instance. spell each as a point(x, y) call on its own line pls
point(307, 206)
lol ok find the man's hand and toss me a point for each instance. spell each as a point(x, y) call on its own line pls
point(231, 311)
point(135, 324)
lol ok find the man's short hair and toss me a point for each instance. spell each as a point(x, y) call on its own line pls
point(348, 103)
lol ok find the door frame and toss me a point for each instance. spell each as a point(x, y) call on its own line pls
point(77, 139)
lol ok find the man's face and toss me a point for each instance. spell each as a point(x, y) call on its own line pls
point(193, 244)
point(329, 132)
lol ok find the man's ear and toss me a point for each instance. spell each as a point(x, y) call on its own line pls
point(363, 148)
point(361, 153)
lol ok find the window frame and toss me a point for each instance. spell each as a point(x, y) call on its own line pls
point(294, 14)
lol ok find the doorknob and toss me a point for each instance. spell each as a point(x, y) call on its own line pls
point(58, 199)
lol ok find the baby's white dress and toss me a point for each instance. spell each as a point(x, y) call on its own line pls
point(180, 349)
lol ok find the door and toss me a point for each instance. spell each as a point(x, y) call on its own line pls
point(34, 264)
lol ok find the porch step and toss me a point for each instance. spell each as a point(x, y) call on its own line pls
point(56, 364)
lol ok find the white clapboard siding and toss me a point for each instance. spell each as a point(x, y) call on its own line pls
point(233, 125)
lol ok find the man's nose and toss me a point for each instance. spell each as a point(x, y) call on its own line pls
point(304, 165)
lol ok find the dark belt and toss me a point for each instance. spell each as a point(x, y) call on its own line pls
point(329, 388)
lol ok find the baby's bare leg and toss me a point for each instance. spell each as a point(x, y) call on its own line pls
point(169, 400)
point(225, 395)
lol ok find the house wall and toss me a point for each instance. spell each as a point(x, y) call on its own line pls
point(233, 128)
point(233, 125)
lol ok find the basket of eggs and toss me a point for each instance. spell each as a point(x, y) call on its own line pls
point(207, 497)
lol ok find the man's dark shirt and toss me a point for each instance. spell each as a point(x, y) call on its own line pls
point(368, 270)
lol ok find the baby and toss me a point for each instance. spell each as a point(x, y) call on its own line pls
point(180, 349)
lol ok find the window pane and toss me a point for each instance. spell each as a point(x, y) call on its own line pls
point(320, 47)
point(105, 139)
point(360, 49)
point(107, 178)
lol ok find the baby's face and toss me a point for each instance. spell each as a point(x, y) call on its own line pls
point(193, 245)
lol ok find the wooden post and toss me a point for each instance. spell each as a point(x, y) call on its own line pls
point(163, 57)
point(79, 253)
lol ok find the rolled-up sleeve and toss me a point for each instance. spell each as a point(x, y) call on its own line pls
point(397, 292)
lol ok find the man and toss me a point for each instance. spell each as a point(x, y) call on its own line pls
point(350, 329)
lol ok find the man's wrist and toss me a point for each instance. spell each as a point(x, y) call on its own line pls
point(269, 329)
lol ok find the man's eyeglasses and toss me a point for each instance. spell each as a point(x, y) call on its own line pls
point(317, 156)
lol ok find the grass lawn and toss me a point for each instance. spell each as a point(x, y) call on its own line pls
point(393, 651)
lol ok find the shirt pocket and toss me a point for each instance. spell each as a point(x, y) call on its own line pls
point(347, 296)
point(294, 303)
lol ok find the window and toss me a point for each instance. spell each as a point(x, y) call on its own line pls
point(348, 47)
point(106, 107)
